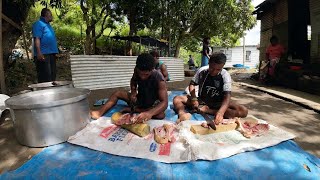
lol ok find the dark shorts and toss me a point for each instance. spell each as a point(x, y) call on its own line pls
point(213, 105)
point(139, 104)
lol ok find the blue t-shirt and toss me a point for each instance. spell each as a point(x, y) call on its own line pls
point(48, 41)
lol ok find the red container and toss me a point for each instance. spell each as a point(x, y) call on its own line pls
point(295, 68)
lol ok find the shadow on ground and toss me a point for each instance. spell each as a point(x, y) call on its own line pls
point(296, 119)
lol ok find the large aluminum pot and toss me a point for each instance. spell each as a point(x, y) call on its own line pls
point(51, 85)
point(48, 117)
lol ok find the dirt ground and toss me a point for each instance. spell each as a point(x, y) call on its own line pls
point(302, 122)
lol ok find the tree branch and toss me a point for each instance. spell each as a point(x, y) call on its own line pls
point(85, 13)
point(102, 27)
point(102, 10)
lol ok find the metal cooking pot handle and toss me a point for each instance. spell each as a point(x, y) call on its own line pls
point(4, 115)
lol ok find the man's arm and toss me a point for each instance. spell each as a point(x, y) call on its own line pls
point(164, 71)
point(206, 51)
point(194, 81)
point(37, 33)
point(133, 86)
point(163, 97)
point(194, 99)
point(225, 105)
point(192, 90)
point(37, 45)
point(227, 86)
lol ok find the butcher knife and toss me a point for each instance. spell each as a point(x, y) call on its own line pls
point(208, 120)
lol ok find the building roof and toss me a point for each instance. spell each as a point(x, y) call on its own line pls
point(235, 46)
point(263, 7)
point(145, 40)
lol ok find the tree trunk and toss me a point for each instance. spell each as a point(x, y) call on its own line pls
point(177, 52)
point(94, 43)
point(88, 43)
point(178, 45)
point(131, 32)
point(93, 31)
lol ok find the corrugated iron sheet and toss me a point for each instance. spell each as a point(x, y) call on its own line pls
point(105, 71)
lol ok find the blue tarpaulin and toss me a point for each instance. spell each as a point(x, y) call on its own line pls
point(63, 161)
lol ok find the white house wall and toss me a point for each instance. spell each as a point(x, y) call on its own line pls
point(237, 56)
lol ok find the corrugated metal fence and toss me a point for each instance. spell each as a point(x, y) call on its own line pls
point(105, 71)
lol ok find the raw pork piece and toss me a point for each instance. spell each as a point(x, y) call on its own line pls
point(120, 119)
point(251, 128)
point(164, 134)
point(224, 121)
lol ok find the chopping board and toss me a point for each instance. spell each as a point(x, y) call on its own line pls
point(198, 129)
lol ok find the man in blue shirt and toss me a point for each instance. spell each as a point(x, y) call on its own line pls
point(45, 47)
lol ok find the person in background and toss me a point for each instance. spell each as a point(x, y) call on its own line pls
point(274, 53)
point(160, 66)
point(214, 93)
point(206, 51)
point(45, 47)
point(148, 92)
point(191, 62)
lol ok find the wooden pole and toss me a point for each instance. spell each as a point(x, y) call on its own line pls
point(111, 46)
point(25, 44)
point(11, 22)
point(2, 78)
point(244, 49)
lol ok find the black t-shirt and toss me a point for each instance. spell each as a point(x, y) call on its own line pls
point(191, 62)
point(148, 90)
point(212, 88)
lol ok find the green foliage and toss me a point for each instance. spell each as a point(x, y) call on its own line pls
point(20, 75)
point(139, 13)
point(69, 38)
point(184, 54)
point(224, 20)
point(185, 22)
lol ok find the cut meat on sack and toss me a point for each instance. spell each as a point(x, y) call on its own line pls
point(127, 121)
point(120, 119)
point(224, 122)
point(164, 134)
point(251, 128)
point(204, 129)
point(248, 127)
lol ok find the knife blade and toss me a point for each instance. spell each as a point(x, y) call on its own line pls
point(208, 120)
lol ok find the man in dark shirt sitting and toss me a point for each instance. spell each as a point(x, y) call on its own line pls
point(214, 93)
point(191, 62)
point(150, 98)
